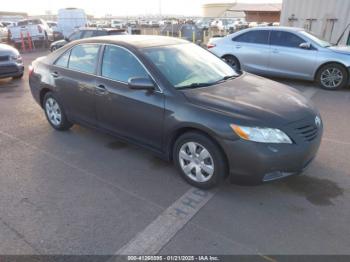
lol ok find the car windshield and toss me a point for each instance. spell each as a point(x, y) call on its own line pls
point(314, 38)
point(189, 66)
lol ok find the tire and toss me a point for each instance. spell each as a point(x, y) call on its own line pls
point(18, 77)
point(54, 112)
point(335, 72)
point(191, 167)
point(54, 48)
point(233, 62)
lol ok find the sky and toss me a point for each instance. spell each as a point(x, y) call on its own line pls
point(100, 8)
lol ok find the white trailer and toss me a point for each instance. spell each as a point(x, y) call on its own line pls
point(69, 19)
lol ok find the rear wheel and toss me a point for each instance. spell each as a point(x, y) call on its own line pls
point(199, 160)
point(233, 62)
point(55, 113)
point(332, 76)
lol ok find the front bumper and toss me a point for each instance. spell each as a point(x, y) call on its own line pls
point(10, 69)
point(259, 162)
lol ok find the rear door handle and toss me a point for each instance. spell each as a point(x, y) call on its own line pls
point(238, 46)
point(275, 51)
point(54, 74)
point(101, 90)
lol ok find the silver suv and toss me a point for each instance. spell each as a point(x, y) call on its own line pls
point(285, 52)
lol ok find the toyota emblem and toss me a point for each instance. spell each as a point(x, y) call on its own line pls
point(318, 121)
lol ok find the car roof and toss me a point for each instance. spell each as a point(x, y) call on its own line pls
point(274, 28)
point(101, 29)
point(136, 41)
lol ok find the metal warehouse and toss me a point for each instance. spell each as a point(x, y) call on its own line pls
point(328, 19)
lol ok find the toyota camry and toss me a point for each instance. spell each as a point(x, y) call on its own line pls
point(181, 102)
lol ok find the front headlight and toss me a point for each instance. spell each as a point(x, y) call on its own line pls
point(261, 134)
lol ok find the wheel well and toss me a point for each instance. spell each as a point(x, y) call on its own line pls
point(184, 130)
point(43, 92)
point(232, 56)
point(328, 63)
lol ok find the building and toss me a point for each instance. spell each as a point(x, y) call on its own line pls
point(253, 12)
point(328, 19)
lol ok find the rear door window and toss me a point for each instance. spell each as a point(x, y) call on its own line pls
point(88, 33)
point(254, 37)
point(75, 36)
point(286, 39)
point(120, 65)
point(100, 32)
point(84, 58)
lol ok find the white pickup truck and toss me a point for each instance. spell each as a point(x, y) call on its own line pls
point(38, 29)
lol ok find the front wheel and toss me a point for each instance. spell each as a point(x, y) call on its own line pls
point(233, 62)
point(55, 113)
point(332, 77)
point(199, 160)
point(18, 77)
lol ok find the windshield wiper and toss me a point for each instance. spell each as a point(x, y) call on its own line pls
point(224, 79)
point(229, 77)
point(195, 85)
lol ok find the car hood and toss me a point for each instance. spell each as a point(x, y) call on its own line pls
point(341, 49)
point(7, 50)
point(254, 100)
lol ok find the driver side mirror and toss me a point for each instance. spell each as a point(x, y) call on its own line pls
point(66, 38)
point(141, 83)
point(305, 46)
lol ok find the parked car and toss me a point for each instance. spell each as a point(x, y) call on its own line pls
point(203, 24)
point(11, 64)
point(153, 24)
point(285, 52)
point(57, 34)
point(181, 102)
point(8, 23)
point(38, 29)
point(118, 24)
point(3, 33)
point(85, 33)
point(69, 19)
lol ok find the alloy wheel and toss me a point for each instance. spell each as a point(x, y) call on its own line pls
point(231, 62)
point(196, 162)
point(332, 78)
point(53, 111)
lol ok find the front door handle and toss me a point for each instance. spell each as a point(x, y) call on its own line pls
point(101, 90)
point(275, 51)
point(238, 46)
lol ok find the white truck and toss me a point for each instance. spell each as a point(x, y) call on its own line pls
point(3, 33)
point(119, 24)
point(70, 19)
point(37, 29)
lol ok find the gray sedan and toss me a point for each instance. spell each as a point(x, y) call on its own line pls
point(285, 52)
point(11, 64)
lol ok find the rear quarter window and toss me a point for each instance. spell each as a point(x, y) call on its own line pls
point(62, 61)
point(254, 37)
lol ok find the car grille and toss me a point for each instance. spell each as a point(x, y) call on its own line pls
point(8, 69)
point(308, 132)
point(4, 58)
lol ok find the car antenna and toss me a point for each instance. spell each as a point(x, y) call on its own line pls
point(341, 36)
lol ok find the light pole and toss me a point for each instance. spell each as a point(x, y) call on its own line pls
point(160, 7)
